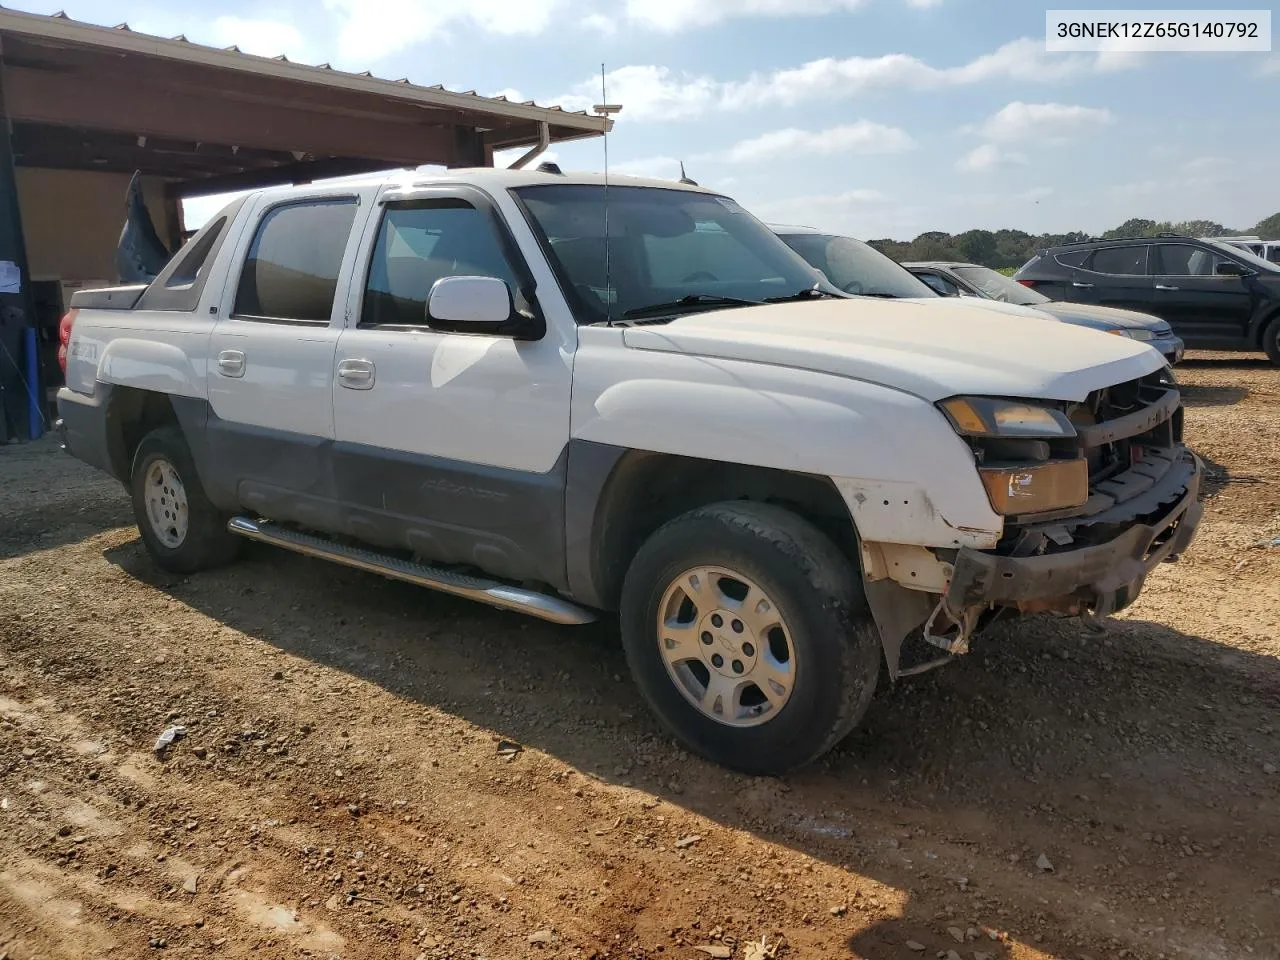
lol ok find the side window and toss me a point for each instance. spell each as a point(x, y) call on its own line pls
point(1185, 260)
point(180, 285)
point(940, 284)
point(1074, 258)
point(195, 256)
point(1120, 261)
point(420, 242)
point(291, 272)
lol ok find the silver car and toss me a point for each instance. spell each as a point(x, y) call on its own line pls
point(952, 279)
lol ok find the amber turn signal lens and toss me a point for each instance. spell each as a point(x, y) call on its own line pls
point(1037, 487)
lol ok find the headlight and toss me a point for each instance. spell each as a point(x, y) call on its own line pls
point(1036, 475)
point(1134, 334)
point(989, 417)
point(1036, 488)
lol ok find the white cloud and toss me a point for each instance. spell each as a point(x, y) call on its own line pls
point(1044, 122)
point(649, 92)
point(1206, 164)
point(646, 93)
point(669, 16)
point(600, 23)
point(1269, 67)
point(861, 137)
point(510, 93)
point(819, 210)
point(372, 30)
point(264, 38)
point(988, 156)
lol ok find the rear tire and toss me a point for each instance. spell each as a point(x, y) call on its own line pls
point(748, 633)
point(1271, 340)
point(180, 528)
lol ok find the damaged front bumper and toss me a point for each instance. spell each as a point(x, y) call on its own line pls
point(1090, 565)
point(1088, 574)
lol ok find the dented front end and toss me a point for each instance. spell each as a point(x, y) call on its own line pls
point(1141, 508)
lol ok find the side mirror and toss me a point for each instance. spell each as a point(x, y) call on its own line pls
point(1229, 268)
point(479, 305)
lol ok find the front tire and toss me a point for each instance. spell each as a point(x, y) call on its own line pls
point(748, 633)
point(182, 531)
point(1271, 341)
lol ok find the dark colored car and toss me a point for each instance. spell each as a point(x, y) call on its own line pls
point(973, 280)
point(1214, 295)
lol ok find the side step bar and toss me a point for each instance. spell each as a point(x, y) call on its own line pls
point(492, 592)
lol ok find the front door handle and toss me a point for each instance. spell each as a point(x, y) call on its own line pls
point(231, 363)
point(1164, 286)
point(356, 374)
point(1081, 286)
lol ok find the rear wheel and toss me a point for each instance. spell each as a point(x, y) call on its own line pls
point(1271, 340)
point(747, 631)
point(180, 528)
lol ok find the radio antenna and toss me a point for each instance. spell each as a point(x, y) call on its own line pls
point(608, 279)
point(606, 109)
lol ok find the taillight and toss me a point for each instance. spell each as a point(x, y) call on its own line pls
point(64, 338)
point(1027, 283)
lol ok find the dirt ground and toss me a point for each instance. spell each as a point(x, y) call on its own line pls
point(376, 771)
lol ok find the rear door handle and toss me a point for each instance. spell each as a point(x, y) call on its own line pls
point(231, 363)
point(356, 374)
point(1081, 286)
point(1164, 286)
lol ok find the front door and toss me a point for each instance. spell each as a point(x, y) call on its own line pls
point(1202, 307)
point(270, 428)
point(451, 445)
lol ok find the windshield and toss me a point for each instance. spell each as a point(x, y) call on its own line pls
point(1250, 260)
point(856, 267)
point(996, 286)
point(664, 246)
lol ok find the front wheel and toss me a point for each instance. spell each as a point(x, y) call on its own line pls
point(1271, 341)
point(748, 633)
point(181, 529)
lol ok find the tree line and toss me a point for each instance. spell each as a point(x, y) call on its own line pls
point(1005, 249)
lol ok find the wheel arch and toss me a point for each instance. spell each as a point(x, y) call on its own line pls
point(618, 497)
point(1267, 319)
point(132, 413)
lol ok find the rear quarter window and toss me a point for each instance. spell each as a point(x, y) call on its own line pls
point(1072, 258)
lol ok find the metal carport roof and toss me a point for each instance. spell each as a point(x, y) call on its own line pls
point(81, 96)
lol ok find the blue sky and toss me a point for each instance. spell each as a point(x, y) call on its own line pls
point(874, 117)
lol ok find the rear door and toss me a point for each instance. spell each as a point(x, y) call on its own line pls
point(270, 358)
point(1202, 307)
point(1115, 277)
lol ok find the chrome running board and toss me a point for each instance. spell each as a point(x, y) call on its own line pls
point(540, 605)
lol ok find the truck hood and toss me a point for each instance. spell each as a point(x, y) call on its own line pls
point(995, 306)
point(929, 352)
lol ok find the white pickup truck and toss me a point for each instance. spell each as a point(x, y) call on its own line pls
point(564, 396)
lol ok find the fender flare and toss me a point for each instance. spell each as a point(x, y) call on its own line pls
point(149, 365)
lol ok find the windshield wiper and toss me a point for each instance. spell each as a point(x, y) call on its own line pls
point(808, 293)
point(693, 301)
